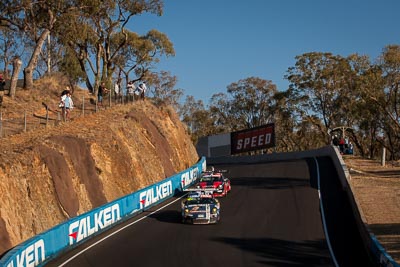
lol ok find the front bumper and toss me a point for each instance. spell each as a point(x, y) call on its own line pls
point(196, 219)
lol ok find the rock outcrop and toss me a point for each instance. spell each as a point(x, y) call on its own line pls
point(50, 175)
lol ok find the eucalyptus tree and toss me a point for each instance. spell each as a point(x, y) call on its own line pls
point(387, 98)
point(364, 116)
point(70, 66)
point(139, 53)
point(163, 89)
point(248, 103)
point(102, 42)
point(319, 82)
point(9, 48)
point(197, 118)
point(252, 102)
point(289, 122)
point(35, 20)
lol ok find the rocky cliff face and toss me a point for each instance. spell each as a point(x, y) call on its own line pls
point(50, 175)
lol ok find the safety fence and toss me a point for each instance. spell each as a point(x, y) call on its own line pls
point(30, 119)
point(45, 246)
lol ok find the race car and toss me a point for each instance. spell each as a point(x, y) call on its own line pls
point(200, 207)
point(215, 180)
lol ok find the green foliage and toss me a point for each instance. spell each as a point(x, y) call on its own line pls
point(69, 65)
point(94, 30)
point(163, 89)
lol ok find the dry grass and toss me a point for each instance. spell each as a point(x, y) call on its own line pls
point(377, 189)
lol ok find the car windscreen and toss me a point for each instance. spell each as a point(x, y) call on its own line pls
point(206, 179)
point(200, 201)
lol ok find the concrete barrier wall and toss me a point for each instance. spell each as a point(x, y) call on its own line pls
point(45, 246)
point(376, 250)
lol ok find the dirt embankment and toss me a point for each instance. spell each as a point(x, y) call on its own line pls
point(50, 175)
point(377, 190)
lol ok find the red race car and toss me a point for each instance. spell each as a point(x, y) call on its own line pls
point(215, 180)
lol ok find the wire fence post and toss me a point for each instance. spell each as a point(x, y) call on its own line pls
point(83, 106)
point(58, 118)
point(109, 99)
point(1, 124)
point(47, 116)
point(24, 120)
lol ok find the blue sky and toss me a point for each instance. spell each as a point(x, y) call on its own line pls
point(218, 42)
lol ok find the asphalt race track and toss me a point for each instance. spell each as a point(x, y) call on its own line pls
point(271, 218)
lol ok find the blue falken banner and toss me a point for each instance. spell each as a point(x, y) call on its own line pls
point(45, 246)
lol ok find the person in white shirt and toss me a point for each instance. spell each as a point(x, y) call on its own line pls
point(68, 105)
point(130, 88)
point(117, 89)
point(143, 89)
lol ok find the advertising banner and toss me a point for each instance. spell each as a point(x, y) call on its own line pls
point(253, 139)
point(40, 248)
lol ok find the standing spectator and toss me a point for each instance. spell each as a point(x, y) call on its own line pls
point(351, 149)
point(335, 140)
point(62, 101)
point(130, 88)
point(68, 105)
point(143, 89)
point(102, 91)
point(341, 145)
point(117, 89)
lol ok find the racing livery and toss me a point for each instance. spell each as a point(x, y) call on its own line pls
point(215, 180)
point(200, 207)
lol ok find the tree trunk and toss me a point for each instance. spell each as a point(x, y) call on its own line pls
point(6, 73)
point(28, 71)
point(17, 63)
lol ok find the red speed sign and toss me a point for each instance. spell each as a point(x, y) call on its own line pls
point(253, 139)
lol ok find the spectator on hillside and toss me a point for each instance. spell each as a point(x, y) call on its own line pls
point(117, 89)
point(101, 92)
point(130, 89)
point(142, 90)
point(62, 101)
point(341, 145)
point(68, 105)
point(335, 140)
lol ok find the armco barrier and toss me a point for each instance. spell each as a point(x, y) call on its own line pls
point(47, 245)
point(378, 253)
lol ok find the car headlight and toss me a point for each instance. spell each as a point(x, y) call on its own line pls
point(186, 210)
point(214, 210)
point(220, 186)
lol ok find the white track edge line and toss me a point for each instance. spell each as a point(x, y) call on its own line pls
point(323, 216)
point(117, 231)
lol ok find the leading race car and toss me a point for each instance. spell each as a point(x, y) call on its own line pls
point(200, 207)
point(215, 180)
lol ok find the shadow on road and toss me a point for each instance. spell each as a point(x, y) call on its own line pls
point(282, 253)
point(168, 216)
point(270, 182)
